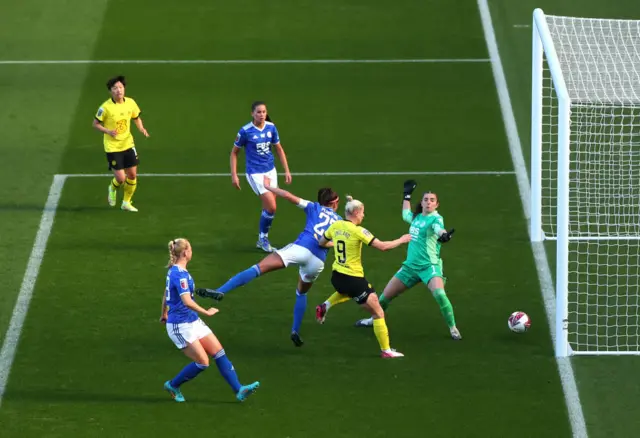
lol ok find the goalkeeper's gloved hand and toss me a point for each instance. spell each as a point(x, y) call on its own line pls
point(209, 293)
point(446, 236)
point(409, 187)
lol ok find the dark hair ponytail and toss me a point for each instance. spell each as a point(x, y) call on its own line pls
point(326, 196)
point(417, 209)
point(256, 104)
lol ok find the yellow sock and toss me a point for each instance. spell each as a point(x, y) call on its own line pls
point(337, 298)
point(129, 187)
point(382, 333)
point(115, 184)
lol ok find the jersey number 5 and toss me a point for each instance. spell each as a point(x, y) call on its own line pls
point(342, 251)
point(321, 227)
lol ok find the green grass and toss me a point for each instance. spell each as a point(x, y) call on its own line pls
point(101, 322)
point(92, 357)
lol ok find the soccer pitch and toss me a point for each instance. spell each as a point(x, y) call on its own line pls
point(365, 94)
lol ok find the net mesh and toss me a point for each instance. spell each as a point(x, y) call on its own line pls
point(600, 62)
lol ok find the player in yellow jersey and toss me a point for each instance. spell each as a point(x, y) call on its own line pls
point(348, 274)
point(113, 119)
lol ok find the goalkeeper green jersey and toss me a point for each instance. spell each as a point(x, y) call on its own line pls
point(424, 248)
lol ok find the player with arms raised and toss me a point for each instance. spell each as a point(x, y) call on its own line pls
point(257, 138)
point(304, 252)
point(423, 263)
point(348, 277)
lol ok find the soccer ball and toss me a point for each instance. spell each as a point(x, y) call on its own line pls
point(519, 322)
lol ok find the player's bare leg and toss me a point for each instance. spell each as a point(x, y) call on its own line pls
point(394, 288)
point(436, 286)
point(196, 352)
point(268, 200)
point(380, 327)
point(214, 349)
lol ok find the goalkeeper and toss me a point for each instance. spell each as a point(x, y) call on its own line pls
point(423, 263)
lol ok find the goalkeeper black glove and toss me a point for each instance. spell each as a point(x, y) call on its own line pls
point(209, 293)
point(409, 187)
point(446, 236)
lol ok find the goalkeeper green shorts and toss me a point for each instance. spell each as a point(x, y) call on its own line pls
point(410, 276)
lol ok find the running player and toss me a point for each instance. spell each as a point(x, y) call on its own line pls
point(113, 119)
point(188, 332)
point(304, 252)
point(257, 138)
point(348, 274)
point(423, 263)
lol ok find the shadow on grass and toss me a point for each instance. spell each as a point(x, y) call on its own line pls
point(69, 396)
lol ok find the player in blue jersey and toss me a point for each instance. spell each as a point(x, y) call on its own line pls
point(304, 251)
point(257, 138)
point(188, 332)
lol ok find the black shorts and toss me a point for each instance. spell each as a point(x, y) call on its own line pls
point(357, 288)
point(122, 160)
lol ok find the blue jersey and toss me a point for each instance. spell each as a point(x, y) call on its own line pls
point(318, 220)
point(179, 282)
point(257, 146)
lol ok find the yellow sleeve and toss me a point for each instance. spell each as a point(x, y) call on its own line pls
point(135, 110)
point(329, 233)
point(364, 235)
point(101, 113)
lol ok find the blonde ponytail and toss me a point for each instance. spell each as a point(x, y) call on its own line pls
point(176, 248)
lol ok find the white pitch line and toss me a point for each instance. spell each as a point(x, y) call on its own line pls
point(245, 61)
point(201, 175)
point(522, 26)
point(12, 337)
point(565, 369)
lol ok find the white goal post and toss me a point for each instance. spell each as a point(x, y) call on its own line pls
point(585, 177)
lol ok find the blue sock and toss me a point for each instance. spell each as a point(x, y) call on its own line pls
point(298, 311)
point(240, 279)
point(189, 372)
point(226, 369)
point(266, 219)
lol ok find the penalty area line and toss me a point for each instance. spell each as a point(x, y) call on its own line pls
point(243, 61)
point(12, 337)
point(202, 175)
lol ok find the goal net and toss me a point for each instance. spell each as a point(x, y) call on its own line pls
point(585, 182)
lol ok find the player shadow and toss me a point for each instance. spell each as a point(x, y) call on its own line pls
point(71, 396)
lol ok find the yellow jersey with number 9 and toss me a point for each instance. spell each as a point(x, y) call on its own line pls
point(117, 116)
point(347, 240)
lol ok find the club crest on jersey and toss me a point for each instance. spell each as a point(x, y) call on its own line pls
point(184, 284)
point(269, 134)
